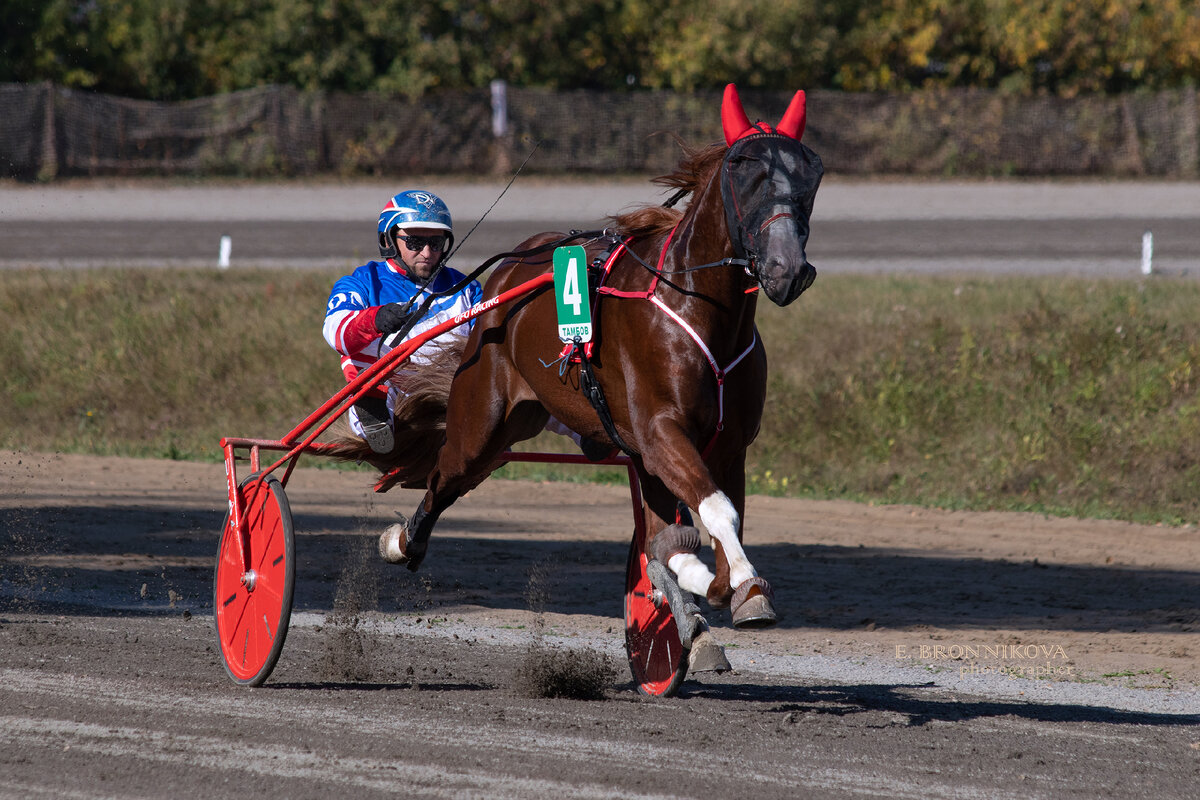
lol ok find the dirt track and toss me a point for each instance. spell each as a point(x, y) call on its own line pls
point(110, 684)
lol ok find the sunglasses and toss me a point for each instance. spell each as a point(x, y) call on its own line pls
point(436, 243)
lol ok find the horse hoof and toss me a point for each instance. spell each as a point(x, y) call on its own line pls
point(391, 544)
point(706, 655)
point(751, 605)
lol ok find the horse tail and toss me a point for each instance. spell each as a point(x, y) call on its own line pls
point(419, 422)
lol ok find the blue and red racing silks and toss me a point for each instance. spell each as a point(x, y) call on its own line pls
point(350, 315)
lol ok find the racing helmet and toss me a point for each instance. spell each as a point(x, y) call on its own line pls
point(413, 208)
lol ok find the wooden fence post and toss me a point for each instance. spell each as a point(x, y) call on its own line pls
point(48, 159)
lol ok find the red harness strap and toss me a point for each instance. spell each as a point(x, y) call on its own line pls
point(649, 294)
point(712, 362)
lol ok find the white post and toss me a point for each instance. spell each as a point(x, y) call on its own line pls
point(226, 248)
point(501, 158)
point(1147, 253)
point(499, 109)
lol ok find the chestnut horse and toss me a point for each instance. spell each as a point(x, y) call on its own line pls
point(676, 354)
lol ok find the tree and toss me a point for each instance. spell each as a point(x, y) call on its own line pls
point(174, 49)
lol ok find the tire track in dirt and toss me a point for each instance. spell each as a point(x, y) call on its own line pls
point(223, 754)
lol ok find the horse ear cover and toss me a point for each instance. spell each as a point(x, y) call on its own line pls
point(733, 117)
point(794, 118)
point(736, 124)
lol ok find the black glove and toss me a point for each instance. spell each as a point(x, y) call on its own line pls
point(392, 317)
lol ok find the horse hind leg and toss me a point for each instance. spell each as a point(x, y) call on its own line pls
point(406, 541)
point(476, 435)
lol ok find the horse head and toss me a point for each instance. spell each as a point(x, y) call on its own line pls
point(768, 182)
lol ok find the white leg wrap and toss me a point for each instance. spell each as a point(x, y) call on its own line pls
point(693, 576)
point(721, 519)
point(390, 548)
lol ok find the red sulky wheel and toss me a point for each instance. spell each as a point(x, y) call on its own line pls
point(656, 655)
point(252, 608)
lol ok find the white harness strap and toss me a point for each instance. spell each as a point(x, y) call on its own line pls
point(712, 362)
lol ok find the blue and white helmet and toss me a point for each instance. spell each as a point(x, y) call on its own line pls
point(413, 208)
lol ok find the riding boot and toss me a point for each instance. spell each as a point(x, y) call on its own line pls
point(376, 422)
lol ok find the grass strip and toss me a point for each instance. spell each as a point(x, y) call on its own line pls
point(1068, 396)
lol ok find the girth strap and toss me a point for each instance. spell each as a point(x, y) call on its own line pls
point(595, 395)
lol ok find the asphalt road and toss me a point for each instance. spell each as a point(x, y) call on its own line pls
point(1014, 227)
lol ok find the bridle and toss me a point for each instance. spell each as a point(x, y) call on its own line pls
point(743, 225)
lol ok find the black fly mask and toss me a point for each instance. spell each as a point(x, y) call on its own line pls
point(769, 180)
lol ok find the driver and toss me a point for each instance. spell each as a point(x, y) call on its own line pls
point(377, 299)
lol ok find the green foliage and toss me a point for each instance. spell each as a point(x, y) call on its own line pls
point(174, 49)
point(345, 45)
point(1069, 396)
point(1107, 45)
point(138, 48)
point(758, 43)
point(20, 22)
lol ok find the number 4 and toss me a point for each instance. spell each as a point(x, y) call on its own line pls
point(571, 296)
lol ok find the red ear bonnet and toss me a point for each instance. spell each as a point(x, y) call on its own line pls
point(793, 120)
point(736, 124)
point(733, 117)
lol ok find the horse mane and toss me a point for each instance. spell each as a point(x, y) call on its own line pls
point(693, 172)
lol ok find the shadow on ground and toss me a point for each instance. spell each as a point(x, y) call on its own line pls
point(131, 560)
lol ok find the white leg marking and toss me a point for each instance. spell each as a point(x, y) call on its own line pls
point(693, 576)
point(721, 519)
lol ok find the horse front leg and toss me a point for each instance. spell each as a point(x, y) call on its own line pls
point(674, 542)
point(674, 459)
point(751, 597)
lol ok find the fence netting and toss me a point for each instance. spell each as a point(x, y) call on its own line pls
point(48, 131)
